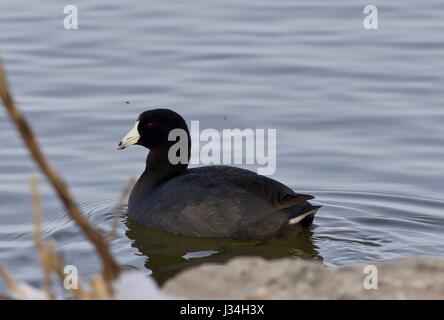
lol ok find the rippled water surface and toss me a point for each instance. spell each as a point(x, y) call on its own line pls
point(359, 117)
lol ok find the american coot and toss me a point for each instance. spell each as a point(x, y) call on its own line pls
point(211, 201)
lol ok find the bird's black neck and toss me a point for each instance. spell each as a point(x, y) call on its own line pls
point(159, 169)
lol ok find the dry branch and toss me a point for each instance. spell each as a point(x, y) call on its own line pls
point(110, 268)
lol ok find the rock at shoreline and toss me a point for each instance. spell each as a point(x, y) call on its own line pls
point(256, 278)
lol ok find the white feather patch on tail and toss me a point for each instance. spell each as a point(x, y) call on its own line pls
point(301, 217)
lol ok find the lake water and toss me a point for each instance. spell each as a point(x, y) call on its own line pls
point(359, 117)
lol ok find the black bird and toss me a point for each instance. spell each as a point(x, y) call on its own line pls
point(211, 201)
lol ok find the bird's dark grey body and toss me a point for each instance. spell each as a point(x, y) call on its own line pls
point(212, 201)
point(218, 201)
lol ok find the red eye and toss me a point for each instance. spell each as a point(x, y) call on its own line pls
point(149, 125)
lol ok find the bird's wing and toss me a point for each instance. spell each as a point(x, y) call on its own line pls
point(274, 192)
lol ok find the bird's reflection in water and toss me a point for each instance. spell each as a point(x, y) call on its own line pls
point(167, 254)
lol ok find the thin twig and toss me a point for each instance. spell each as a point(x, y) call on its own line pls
point(99, 289)
point(110, 268)
point(37, 235)
point(56, 264)
point(10, 282)
point(118, 211)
